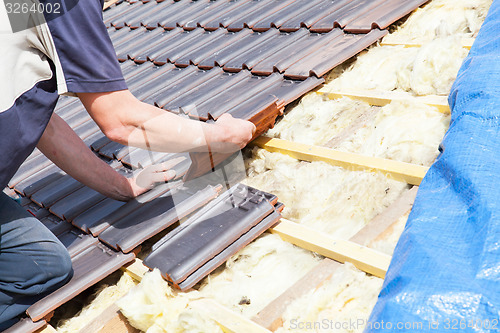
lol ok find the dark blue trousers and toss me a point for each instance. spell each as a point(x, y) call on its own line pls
point(33, 262)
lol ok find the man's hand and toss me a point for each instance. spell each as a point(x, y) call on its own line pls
point(236, 133)
point(61, 145)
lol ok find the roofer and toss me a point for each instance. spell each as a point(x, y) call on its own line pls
point(72, 54)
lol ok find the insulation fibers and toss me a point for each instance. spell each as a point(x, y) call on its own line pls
point(316, 120)
point(153, 307)
point(348, 296)
point(430, 69)
point(442, 18)
point(327, 198)
point(257, 274)
point(104, 298)
point(402, 131)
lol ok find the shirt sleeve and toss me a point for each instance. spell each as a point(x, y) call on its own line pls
point(80, 47)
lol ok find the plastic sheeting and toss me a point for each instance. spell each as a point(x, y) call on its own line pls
point(445, 272)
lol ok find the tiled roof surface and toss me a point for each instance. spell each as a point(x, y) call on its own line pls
point(356, 16)
point(200, 59)
point(296, 55)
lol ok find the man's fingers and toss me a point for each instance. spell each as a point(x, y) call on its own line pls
point(162, 177)
point(147, 179)
point(158, 173)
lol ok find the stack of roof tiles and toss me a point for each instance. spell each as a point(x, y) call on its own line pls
point(202, 243)
point(201, 59)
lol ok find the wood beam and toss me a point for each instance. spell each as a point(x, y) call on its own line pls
point(270, 316)
point(410, 173)
point(364, 119)
point(109, 321)
point(396, 41)
point(385, 220)
point(364, 258)
point(230, 321)
point(381, 98)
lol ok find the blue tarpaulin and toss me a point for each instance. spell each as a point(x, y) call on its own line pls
point(445, 271)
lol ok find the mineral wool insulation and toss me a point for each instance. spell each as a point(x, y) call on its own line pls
point(153, 307)
point(247, 283)
point(402, 131)
point(442, 18)
point(348, 296)
point(316, 120)
point(427, 70)
point(326, 198)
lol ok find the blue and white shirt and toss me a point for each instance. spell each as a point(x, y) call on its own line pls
point(65, 54)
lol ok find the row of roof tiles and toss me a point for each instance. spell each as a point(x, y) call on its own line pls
point(355, 16)
point(296, 55)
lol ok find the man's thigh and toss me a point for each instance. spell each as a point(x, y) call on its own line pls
point(20, 231)
point(32, 260)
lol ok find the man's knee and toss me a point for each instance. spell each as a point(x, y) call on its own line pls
point(38, 271)
point(58, 269)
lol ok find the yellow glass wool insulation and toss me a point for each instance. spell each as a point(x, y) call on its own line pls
point(402, 131)
point(442, 18)
point(326, 198)
point(316, 119)
point(104, 298)
point(257, 274)
point(154, 307)
point(341, 304)
point(430, 69)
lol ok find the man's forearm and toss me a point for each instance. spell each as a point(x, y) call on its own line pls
point(160, 130)
point(61, 145)
point(125, 119)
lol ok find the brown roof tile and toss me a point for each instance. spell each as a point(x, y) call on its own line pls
point(26, 325)
point(155, 216)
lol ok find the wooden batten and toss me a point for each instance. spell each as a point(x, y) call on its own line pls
point(364, 258)
point(410, 173)
point(381, 98)
point(396, 41)
point(136, 269)
point(269, 318)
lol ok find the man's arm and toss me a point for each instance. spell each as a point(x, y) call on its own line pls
point(125, 119)
point(61, 145)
